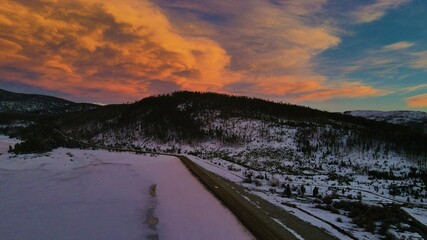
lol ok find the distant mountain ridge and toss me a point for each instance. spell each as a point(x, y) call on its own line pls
point(11, 102)
point(414, 119)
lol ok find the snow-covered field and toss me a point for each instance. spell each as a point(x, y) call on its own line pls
point(273, 155)
point(5, 142)
point(418, 213)
point(265, 166)
point(81, 194)
point(304, 205)
point(397, 117)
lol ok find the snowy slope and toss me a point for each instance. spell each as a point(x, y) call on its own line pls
point(76, 194)
point(396, 117)
point(374, 192)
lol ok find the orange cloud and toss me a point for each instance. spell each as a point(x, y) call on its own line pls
point(115, 51)
point(105, 45)
point(344, 90)
point(316, 89)
point(417, 101)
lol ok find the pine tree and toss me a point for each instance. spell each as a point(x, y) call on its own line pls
point(315, 191)
point(288, 191)
point(302, 190)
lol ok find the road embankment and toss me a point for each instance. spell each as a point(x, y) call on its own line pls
point(256, 214)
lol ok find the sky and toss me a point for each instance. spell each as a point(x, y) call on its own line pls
point(328, 54)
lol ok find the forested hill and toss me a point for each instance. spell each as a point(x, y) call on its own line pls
point(192, 120)
point(231, 127)
point(13, 103)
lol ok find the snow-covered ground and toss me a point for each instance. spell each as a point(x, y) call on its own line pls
point(396, 117)
point(339, 163)
point(5, 142)
point(372, 192)
point(81, 194)
point(418, 213)
point(375, 177)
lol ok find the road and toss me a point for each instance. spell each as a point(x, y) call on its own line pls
point(263, 219)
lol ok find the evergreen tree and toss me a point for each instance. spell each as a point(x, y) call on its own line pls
point(288, 191)
point(302, 189)
point(315, 191)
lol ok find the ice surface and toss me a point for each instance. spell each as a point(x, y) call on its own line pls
point(76, 194)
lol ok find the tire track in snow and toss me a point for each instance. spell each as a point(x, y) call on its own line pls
point(151, 220)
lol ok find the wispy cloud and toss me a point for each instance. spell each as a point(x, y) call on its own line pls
point(343, 89)
point(376, 10)
point(417, 101)
point(398, 46)
point(273, 45)
point(419, 61)
point(382, 61)
point(415, 88)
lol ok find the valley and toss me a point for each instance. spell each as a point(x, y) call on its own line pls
point(213, 120)
point(351, 177)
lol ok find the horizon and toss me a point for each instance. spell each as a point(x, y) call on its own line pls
point(323, 54)
point(201, 92)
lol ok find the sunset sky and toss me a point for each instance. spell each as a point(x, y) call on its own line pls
point(329, 54)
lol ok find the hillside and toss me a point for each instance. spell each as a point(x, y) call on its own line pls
point(11, 102)
point(202, 121)
point(412, 119)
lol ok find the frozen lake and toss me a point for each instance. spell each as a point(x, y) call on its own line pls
point(79, 194)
